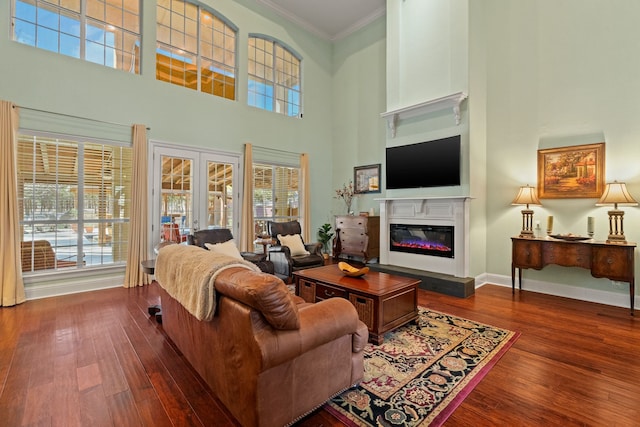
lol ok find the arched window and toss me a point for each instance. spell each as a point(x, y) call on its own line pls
point(274, 77)
point(196, 48)
point(106, 33)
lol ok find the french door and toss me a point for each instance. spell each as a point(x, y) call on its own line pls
point(192, 190)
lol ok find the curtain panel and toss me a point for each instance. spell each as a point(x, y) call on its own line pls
point(247, 232)
point(305, 205)
point(11, 283)
point(139, 219)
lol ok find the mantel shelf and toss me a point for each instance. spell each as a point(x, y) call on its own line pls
point(451, 101)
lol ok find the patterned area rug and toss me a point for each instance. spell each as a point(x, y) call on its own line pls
point(421, 372)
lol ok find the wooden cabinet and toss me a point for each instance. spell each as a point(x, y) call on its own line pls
point(614, 261)
point(357, 235)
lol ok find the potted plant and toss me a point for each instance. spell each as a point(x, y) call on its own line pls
point(324, 236)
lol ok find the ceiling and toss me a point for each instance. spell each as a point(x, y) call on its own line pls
point(329, 19)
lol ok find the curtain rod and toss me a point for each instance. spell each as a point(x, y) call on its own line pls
point(73, 117)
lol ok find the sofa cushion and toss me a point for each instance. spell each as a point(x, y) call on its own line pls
point(294, 243)
point(263, 292)
point(226, 248)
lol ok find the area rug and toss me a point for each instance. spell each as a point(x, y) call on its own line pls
point(421, 372)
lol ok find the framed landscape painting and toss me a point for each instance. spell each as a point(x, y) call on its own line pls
point(571, 172)
point(367, 179)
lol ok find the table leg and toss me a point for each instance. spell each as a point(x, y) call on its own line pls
point(632, 294)
point(519, 279)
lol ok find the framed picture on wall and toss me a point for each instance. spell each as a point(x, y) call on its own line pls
point(367, 179)
point(574, 172)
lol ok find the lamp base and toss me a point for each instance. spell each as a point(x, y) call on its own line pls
point(616, 238)
point(616, 228)
point(527, 223)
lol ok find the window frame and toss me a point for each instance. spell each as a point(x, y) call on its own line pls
point(273, 83)
point(81, 222)
point(83, 18)
point(260, 222)
point(173, 52)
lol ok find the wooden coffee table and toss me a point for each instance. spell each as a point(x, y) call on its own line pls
point(383, 301)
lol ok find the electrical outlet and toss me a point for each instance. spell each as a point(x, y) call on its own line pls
point(617, 285)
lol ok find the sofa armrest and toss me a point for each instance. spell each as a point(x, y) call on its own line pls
point(320, 323)
point(280, 249)
point(314, 248)
point(360, 338)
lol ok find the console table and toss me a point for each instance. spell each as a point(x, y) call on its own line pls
point(613, 261)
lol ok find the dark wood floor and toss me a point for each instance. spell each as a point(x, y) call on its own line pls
point(98, 359)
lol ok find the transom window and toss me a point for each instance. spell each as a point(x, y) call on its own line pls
point(74, 200)
point(274, 77)
point(196, 48)
point(106, 32)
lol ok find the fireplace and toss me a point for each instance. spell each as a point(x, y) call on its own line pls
point(447, 217)
point(434, 240)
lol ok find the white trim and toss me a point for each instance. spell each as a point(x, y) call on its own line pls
point(83, 285)
point(615, 299)
point(452, 101)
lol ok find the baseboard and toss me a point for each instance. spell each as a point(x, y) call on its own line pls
point(70, 287)
point(616, 299)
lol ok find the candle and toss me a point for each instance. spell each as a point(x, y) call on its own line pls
point(590, 226)
point(549, 224)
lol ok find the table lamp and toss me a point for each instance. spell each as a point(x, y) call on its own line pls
point(527, 196)
point(615, 194)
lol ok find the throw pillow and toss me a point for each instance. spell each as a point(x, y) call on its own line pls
point(226, 248)
point(294, 243)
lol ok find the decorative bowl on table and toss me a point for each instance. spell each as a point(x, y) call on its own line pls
point(569, 237)
point(352, 271)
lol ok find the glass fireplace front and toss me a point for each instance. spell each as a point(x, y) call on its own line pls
point(435, 240)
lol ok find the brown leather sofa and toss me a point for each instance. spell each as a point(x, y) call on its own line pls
point(268, 356)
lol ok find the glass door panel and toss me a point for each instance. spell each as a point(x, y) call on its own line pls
point(192, 190)
point(220, 195)
point(176, 198)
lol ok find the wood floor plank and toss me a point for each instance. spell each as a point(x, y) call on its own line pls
point(93, 408)
point(574, 364)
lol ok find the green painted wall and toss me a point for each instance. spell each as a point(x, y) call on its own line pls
point(38, 79)
point(539, 73)
point(358, 98)
point(559, 73)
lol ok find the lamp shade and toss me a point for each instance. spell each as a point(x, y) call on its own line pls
point(615, 193)
point(527, 196)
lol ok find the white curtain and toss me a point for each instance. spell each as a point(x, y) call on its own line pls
point(247, 232)
point(11, 284)
point(139, 219)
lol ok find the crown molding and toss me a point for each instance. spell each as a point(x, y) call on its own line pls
point(308, 26)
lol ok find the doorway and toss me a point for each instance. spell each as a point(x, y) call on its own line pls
point(192, 189)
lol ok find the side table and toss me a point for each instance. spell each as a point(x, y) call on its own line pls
point(149, 267)
point(264, 242)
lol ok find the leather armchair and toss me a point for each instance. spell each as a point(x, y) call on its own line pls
point(284, 263)
point(221, 235)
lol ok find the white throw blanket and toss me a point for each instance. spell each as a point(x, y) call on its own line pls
point(188, 274)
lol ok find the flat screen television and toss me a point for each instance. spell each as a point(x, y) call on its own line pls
point(425, 164)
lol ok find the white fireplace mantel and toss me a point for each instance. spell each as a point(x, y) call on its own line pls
point(450, 101)
point(447, 210)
